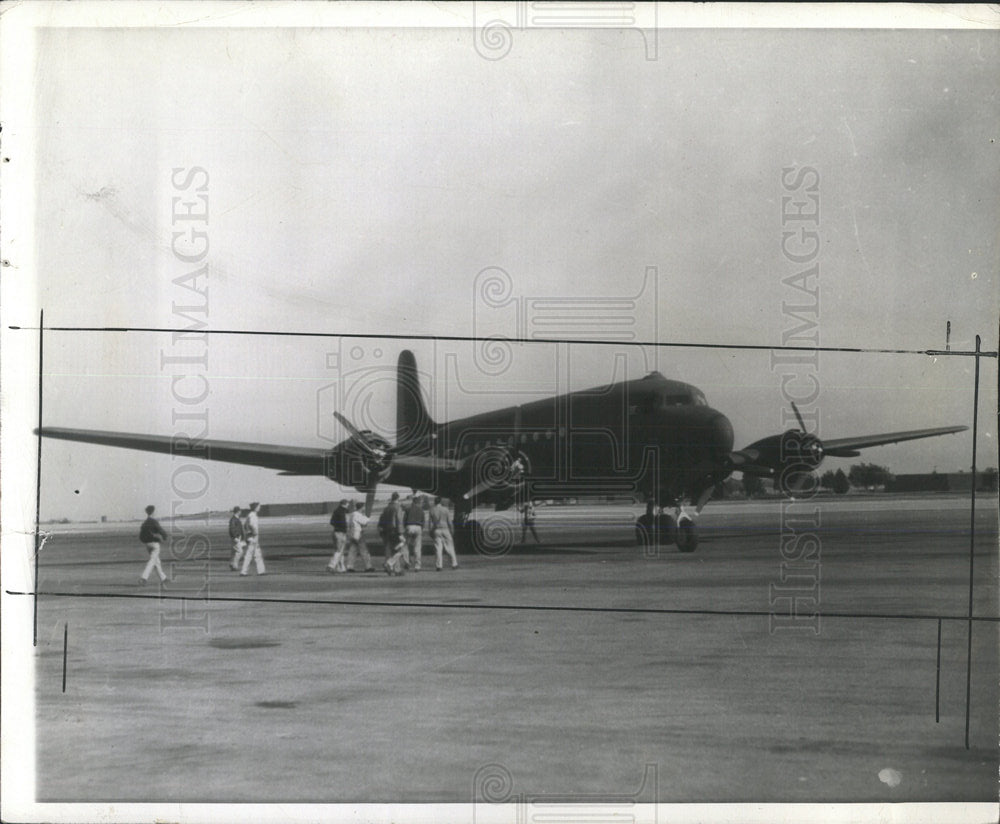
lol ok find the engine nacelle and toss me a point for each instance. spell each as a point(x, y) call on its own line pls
point(360, 465)
point(793, 448)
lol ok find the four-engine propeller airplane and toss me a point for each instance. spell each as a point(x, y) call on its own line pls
point(652, 436)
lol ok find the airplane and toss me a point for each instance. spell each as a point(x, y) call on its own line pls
point(650, 436)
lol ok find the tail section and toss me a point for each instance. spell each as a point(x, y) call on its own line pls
point(413, 424)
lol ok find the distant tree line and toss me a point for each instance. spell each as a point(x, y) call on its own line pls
point(861, 476)
point(836, 481)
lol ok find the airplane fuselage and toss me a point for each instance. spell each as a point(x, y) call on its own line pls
point(652, 436)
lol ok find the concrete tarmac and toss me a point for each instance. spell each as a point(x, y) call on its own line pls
point(578, 668)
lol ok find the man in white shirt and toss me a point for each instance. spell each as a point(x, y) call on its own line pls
point(442, 531)
point(356, 522)
point(251, 532)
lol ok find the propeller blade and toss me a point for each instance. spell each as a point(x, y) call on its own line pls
point(370, 500)
point(355, 433)
point(480, 487)
point(347, 425)
point(802, 426)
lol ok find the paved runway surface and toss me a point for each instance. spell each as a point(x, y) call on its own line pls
point(465, 685)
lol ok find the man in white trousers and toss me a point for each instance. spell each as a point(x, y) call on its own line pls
point(415, 519)
point(251, 530)
point(356, 523)
point(442, 532)
point(151, 533)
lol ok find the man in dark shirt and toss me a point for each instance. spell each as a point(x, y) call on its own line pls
point(415, 519)
point(151, 533)
point(339, 523)
point(236, 534)
point(390, 529)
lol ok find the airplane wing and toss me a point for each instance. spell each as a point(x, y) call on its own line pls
point(417, 472)
point(764, 456)
point(847, 447)
point(293, 460)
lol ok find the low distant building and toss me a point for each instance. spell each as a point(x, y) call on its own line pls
point(943, 482)
point(277, 510)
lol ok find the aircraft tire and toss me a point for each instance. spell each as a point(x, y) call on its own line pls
point(666, 530)
point(687, 536)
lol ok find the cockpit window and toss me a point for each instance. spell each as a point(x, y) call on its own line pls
point(665, 399)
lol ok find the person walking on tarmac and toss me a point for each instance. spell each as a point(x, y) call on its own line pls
point(415, 519)
point(528, 521)
point(441, 532)
point(390, 529)
point(236, 536)
point(339, 523)
point(252, 531)
point(356, 523)
point(151, 533)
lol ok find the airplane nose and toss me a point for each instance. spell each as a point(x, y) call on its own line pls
point(721, 434)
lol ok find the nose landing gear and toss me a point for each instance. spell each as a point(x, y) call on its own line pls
point(687, 532)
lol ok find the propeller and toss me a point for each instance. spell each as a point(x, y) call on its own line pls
point(790, 457)
point(810, 447)
point(498, 469)
point(376, 458)
point(798, 417)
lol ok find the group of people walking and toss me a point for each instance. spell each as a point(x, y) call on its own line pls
point(245, 535)
point(348, 522)
point(400, 527)
point(401, 530)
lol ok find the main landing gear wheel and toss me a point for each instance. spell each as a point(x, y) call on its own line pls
point(666, 529)
point(687, 535)
point(661, 531)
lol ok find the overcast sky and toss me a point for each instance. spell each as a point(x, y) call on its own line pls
point(361, 180)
